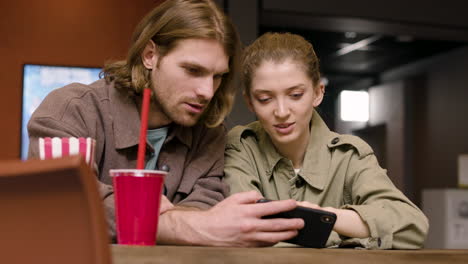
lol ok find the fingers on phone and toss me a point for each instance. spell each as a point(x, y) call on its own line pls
point(245, 197)
point(281, 224)
point(310, 205)
point(275, 237)
point(274, 207)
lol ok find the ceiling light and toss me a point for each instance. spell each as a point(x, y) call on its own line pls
point(358, 45)
point(350, 34)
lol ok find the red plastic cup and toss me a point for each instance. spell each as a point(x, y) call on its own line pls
point(137, 196)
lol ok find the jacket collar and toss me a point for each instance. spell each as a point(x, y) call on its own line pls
point(126, 122)
point(317, 157)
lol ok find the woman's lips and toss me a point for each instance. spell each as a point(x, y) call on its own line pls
point(284, 128)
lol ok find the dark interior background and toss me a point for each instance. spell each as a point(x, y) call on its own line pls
point(411, 55)
point(357, 42)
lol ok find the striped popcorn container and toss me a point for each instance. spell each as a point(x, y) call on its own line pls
point(50, 148)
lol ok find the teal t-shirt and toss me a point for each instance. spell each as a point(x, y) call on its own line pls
point(156, 137)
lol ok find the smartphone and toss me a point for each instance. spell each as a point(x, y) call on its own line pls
point(318, 225)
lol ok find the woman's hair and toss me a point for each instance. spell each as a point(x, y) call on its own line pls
point(165, 25)
point(278, 47)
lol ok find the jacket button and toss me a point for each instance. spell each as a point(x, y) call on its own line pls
point(335, 140)
point(165, 168)
point(300, 182)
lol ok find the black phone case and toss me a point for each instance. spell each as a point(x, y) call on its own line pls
point(318, 225)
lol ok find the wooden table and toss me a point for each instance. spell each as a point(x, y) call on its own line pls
point(216, 255)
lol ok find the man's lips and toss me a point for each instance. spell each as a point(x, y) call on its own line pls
point(201, 106)
point(195, 107)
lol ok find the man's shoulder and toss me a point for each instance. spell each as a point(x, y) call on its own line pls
point(70, 98)
point(79, 90)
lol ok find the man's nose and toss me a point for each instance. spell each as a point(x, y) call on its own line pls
point(205, 88)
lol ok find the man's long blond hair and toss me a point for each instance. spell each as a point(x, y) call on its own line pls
point(168, 23)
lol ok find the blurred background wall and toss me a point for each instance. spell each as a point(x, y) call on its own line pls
point(53, 32)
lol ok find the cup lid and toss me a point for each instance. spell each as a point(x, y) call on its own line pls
point(137, 172)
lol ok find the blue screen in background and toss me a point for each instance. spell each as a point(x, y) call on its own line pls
point(40, 80)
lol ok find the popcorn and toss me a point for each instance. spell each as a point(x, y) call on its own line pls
point(50, 148)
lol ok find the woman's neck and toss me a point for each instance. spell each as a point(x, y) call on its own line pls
point(295, 151)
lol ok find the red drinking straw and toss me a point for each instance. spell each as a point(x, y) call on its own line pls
point(143, 128)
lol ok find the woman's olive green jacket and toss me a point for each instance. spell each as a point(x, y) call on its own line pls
point(340, 171)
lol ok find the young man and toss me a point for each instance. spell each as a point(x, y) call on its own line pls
point(186, 52)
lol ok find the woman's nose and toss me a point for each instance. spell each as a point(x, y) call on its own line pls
point(281, 110)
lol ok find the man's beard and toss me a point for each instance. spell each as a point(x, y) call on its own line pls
point(173, 115)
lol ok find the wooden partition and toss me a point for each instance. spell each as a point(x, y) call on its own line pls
point(51, 213)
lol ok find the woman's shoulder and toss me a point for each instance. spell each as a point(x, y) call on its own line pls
point(240, 135)
point(349, 142)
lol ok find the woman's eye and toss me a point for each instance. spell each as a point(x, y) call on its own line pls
point(296, 95)
point(263, 99)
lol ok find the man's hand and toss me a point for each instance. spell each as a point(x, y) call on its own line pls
point(165, 206)
point(234, 222)
point(237, 221)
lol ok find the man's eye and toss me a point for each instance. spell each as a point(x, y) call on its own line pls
point(218, 76)
point(193, 71)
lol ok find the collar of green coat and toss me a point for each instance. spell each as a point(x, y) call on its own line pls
point(317, 158)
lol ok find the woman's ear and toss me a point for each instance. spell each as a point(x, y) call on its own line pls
point(319, 92)
point(149, 56)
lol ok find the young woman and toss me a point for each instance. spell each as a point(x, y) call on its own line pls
point(290, 152)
